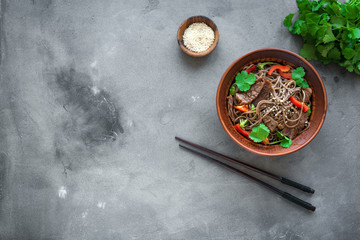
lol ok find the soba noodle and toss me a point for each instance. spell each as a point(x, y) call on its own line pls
point(277, 106)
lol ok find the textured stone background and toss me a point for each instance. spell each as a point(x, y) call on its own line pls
point(92, 94)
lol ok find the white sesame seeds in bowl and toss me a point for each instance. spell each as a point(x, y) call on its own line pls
point(198, 36)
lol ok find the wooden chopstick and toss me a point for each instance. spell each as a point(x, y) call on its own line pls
point(283, 194)
point(248, 166)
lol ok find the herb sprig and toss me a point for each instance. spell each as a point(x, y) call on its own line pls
point(298, 74)
point(284, 140)
point(259, 133)
point(244, 80)
point(330, 30)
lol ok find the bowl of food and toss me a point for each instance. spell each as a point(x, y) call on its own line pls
point(271, 102)
point(198, 36)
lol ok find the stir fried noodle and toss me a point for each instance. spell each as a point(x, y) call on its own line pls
point(275, 109)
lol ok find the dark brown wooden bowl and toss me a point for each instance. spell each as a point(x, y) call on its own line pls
point(319, 101)
point(186, 24)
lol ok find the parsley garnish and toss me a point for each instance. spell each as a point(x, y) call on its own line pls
point(297, 74)
point(330, 30)
point(243, 80)
point(259, 133)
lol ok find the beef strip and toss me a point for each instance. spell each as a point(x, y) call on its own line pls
point(270, 123)
point(308, 93)
point(251, 94)
point(281, 126)
point(293, 132)
point(264, 93)
point(230, 108)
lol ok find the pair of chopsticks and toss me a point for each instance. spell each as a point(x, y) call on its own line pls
point(197, 149)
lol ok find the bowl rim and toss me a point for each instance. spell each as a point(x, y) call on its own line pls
point(259, 152)
point(181, 42)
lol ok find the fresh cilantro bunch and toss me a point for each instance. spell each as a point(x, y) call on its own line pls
point(297, 74)
point(244, 80)
point(330, 30)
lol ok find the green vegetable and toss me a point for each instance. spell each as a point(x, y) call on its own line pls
point(284, 140)
point(309, 111)
point(297, 74)
point(263, 64)
point(232, 90)
point(252, 106)
point(330, 30)
point(259, 133)
point(244, 80)
point(243, 123)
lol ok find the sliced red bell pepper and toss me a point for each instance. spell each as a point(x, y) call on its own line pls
point(299, 104)
point(242, 108)
point(285, 75)
point(283, 68)
point(242, 131)
point(250, 69)
point(246, 134)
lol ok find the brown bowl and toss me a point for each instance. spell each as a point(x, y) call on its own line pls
point(186, 24)
point(319, 102)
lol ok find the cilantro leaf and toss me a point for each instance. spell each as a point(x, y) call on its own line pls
point(244, 80)
point(324, 49)
point(284, 140)
point(354, 33)
point(298, 74)
point(334, 54)
point(288, 20)
point(313, 28)
point(324, 18)
point(349, 66)
point(302, 84)
point(317, 5)
point(336, 8)
point(298, 25)
point(308, 52)
point(309, 111)
point(338, 22)
point(352, 12)
point(348, 53)
point(312, 18)
point(259, 133)
point(320, 34)
point(329, 36)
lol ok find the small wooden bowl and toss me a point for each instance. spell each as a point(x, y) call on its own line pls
point(318, 106)
point(186, 24)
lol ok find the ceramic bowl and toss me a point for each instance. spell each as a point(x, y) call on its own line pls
point(318, 99)
point(186, 24)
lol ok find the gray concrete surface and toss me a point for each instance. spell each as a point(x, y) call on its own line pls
point(92, 94)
